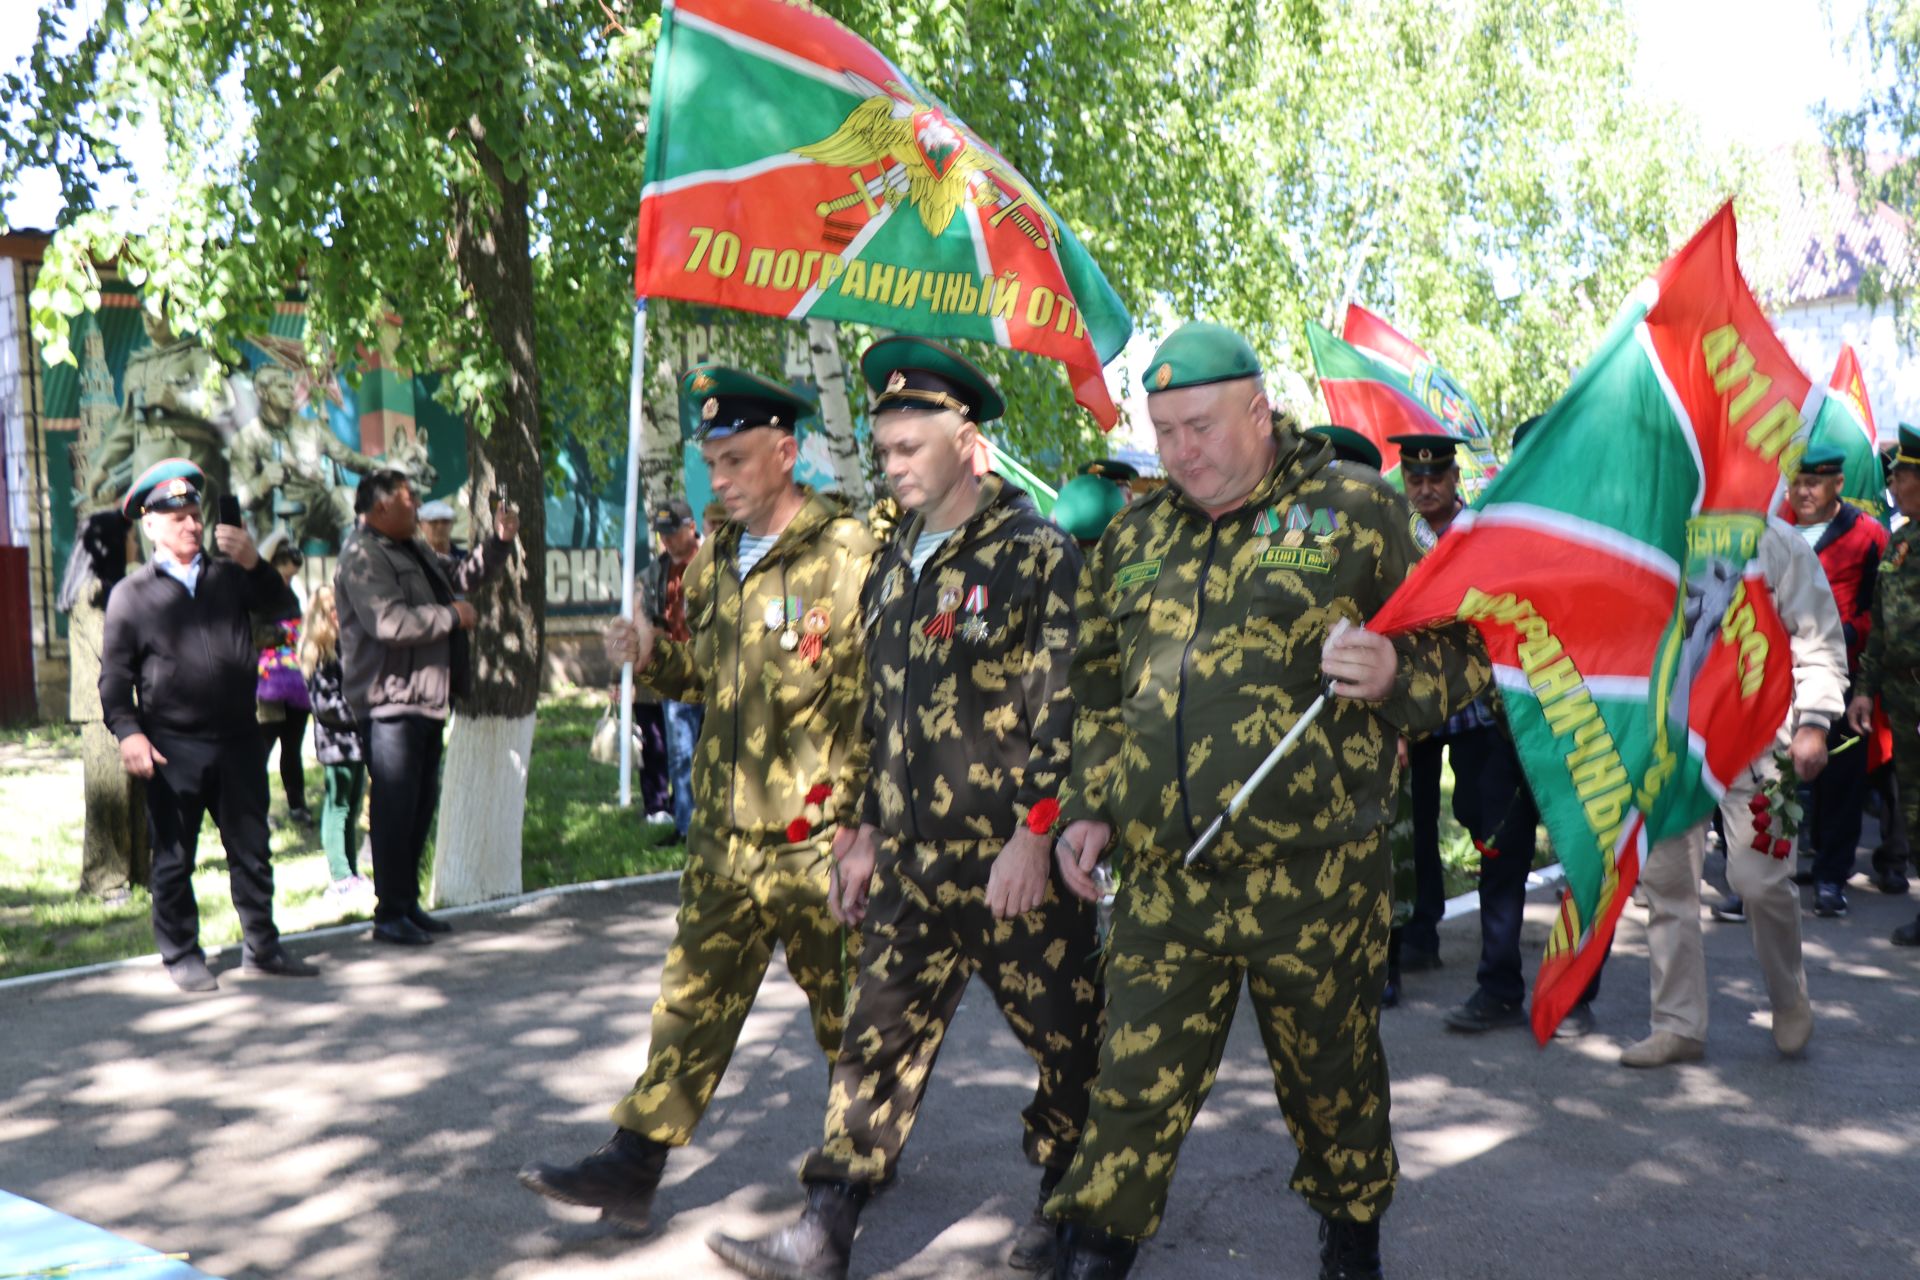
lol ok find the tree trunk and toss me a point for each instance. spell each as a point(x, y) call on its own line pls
point(836, 413)
point(660, 447)
point(477, 849)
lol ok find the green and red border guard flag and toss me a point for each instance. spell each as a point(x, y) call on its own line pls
point(1611, 569)
point(1381, 383)
point(793, 170)
point(1845, 420)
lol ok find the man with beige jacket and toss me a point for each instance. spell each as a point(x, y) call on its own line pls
point(1675, 959)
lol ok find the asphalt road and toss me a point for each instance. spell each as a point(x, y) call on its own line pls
point(368, 1124)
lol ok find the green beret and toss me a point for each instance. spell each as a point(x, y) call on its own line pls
point(1823, 460)
point(1111, 469)
point(732, 400)
point(1086, 505)
point(1198, 353)
point(1348, 445)
point(912, 373)
point(1426, 453)
point(167, 485)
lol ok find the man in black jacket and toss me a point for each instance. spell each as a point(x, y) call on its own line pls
point(970, 615)
point(177, 679)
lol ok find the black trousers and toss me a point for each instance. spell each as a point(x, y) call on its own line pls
point(403, 772)
point(291, 734)
point(226, 777)
point(1839, 799)
point(1491, 798)
point(656, 780)
point(1422, 930)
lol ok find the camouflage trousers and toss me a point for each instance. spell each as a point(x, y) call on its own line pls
point(1309, 934)
point(1901, 701)
point(928, 930)
point(732, 911)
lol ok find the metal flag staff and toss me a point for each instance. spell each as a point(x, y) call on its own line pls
point(1239, 802)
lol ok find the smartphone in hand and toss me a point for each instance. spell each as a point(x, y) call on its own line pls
point(230, 510)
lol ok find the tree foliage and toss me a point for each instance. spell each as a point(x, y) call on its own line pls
point(1877, 139)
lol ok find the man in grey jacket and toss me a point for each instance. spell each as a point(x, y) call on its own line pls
point(403, 644)
point(1675, 960)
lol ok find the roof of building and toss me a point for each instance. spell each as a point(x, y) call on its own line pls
point(1819, 242)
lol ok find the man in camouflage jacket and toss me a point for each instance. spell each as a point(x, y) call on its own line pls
point(971, 639)
point(1211, 615)
point(1890, 667)
point(778, 775)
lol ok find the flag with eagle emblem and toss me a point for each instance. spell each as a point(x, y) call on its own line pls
point(793, 170)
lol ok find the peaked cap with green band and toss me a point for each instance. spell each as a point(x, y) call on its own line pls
point(1086, 505)
point(167, 485)
point(728, 401)
point(1426, 453)
point(1823, 460)
point(1348, 445)
point(1908, 454)
point(905, 372)
point(1198, 353)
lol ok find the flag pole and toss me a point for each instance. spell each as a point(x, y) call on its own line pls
point(636, 395)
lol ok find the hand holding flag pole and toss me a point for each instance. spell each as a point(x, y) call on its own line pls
point(1355, 672)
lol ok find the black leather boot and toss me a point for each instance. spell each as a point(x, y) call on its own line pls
point(1081, 1253)
point(816, 1246)
point(1349, 1250)
point(619, 1180)
point(1033, 1243)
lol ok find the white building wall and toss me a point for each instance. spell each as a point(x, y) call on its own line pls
point(1814, 332)
point(13, 409)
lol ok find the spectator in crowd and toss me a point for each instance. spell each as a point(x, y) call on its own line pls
point(1676, 960)
point(336, 744)
point(666, 602)
point(282, 691)
point(1849, 544)
point(177, 678)
point(436, 526)
point(115, 854)
point(403, 645)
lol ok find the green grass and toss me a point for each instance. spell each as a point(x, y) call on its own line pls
point(574, 832)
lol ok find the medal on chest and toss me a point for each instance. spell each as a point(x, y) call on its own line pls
point(940, 625)
point(974, 629)
point(814, 640)
point(781, 615)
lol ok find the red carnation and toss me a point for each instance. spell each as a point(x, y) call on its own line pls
point(1757, 805)
point(1486, 850)
point(1761, 821)
point(797, 830)
point(1042, 816)
point(1782, 847)
point(1762, 845)
point(818, 793)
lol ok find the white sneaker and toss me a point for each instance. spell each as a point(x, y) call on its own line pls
point(660, 819)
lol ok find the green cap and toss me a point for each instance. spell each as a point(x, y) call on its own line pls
point(912, 373)
point(1908, 454)
point(1198, 353)
point(1823, 460)
point(1426, 453)
point(1086, 505)
point(1111, 469)
point(1348, 445)
point(732, 400)
point(167, 485)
